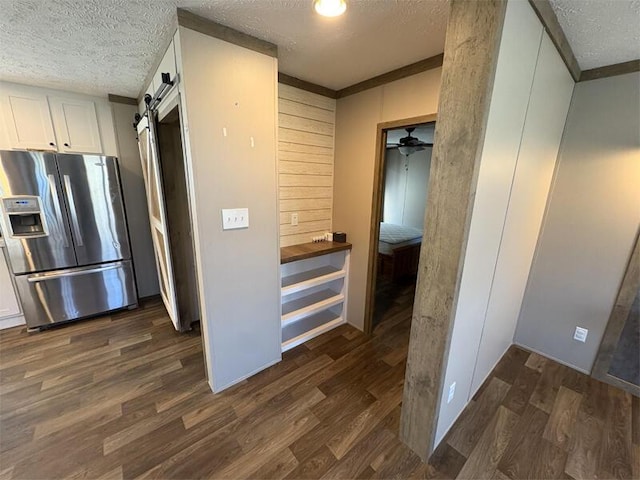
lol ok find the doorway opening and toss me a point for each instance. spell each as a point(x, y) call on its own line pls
point(401, 183)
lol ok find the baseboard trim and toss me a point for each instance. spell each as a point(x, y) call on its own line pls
point(12, 322)
point(251, 374)
point(551, 357)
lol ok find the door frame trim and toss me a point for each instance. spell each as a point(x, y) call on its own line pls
point(376, 206)
point(624, 301)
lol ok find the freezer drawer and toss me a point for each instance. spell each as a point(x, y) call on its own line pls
point(74, 293)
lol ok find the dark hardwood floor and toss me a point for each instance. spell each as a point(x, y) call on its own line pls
point(124, 397)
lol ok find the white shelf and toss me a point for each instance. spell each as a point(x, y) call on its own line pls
point(314, 296)
point(302, 307)
point(309, 327)
point(311, 278)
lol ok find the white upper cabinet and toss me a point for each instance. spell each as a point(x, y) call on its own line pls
point(28, 121)
point(76, 125)
point(34, 118)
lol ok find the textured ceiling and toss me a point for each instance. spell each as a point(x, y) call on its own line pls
point(600, 32)
point(108, 46)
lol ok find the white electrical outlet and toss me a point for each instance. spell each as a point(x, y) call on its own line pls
point(233, 218)
point(581, 334)
point(452, 392)
point(294, 219)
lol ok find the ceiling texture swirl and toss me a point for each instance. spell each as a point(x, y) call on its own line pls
point(108, 46)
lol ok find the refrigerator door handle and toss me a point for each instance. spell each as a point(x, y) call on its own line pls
point(56, 203)
point(43, 277)
point(73, 211)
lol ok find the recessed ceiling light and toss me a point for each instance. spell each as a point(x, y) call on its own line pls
point(330, 8)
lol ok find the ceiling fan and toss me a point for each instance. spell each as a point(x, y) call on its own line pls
point(409, 144)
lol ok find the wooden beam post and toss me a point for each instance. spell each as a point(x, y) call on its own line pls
point(471, 51)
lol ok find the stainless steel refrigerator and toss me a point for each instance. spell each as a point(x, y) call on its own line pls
point(64, 225)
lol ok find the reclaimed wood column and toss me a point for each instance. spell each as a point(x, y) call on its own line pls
point(471, 51)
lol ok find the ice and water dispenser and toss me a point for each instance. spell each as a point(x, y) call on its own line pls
point(24, 217)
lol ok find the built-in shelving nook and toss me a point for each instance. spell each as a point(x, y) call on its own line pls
point(314, 290)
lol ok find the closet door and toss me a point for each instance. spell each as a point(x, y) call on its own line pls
point(157, 216)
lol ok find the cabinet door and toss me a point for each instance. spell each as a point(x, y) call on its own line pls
point(27, 120)
point(9, 306)
point(76, 125)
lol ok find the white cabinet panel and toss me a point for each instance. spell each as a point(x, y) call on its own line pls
point(167, 65)
point(28, 122)
point(548, 107)
point(76, 125)
point(9, 306)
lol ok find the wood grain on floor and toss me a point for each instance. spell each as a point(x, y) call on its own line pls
point(124, 396)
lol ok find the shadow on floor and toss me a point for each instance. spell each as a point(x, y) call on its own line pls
point(391, 296)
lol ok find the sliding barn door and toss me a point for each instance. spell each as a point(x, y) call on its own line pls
point(157, 215)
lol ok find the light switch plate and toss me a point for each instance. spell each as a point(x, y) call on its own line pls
point(233, 218)
point(581, 334)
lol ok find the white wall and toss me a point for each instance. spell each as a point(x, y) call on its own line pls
point(405, 187)
point(227, 88)
point(357, 117)
point(135, 200)
point(591, 222)
point(529, 103)
point(395, 184)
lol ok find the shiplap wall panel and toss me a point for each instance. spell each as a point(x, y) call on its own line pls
point(301, 237)
point(306, 138)
point(305, 168)
point(305, 124)
point(303, 227)
point(306, 98)
point(305, 149)
point(289, 193)
point(306, 129)
point(306, 157)
point(306, 180)
point(303, 204)
point(289, 107)
point(306, 215)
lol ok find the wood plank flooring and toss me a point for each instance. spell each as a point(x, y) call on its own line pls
point(124, 396)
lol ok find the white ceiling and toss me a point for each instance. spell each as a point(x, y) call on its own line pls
point(422, 132)
point(108, 46)
point(600, 32)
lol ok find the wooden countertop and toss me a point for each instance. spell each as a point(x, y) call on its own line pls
point(309, 250)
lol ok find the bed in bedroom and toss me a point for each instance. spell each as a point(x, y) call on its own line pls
point(398, 250)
